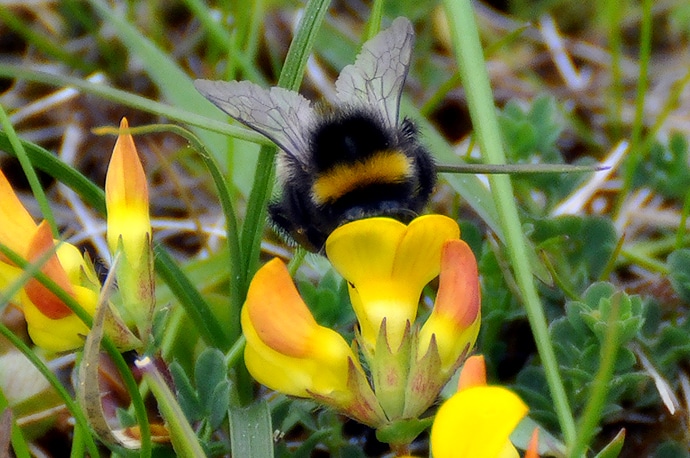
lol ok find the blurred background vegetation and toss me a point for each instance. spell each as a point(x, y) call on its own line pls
point(574, 82)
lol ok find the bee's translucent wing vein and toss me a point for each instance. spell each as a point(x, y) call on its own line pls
point(282, 115)
point(377, 77)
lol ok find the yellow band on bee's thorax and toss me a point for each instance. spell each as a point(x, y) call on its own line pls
point(389, 166)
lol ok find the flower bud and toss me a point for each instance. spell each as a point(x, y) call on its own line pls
point(129, 232)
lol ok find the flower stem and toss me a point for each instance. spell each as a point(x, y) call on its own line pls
point(475, 79)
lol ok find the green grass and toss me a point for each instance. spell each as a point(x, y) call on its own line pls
point(571, 303)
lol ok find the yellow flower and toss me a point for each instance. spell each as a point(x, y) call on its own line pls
point(288, 351)
point(477, 421)
point(387, 264)
point(129, 232)
point(455, 319)
point(51, 324)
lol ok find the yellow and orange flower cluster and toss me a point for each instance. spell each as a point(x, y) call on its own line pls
point(52, 324)
point(386, 264)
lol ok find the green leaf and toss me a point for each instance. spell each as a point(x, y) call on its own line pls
point(182, 435)
point(679, 272)
point(46, 162)
point(218, 408)
point(210, 370)
point(666, 170)
point(613, 448)
point(186, 394)
point(251, 432)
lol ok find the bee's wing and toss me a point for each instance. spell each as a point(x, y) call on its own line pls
point(282, 115)
point(377, 77)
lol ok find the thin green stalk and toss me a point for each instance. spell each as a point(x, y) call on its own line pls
point(234, 355)
point(600, 385)
point(472, 69)
point(614, 16)
point(290, 78)
point(17, 439)
point(72, 406)
point(78, 449)
point(637, 153)
point(184, 440)
point(33, 270)
point(29, 172)
point(135, 101)
point(640, 258)
point(374, 21)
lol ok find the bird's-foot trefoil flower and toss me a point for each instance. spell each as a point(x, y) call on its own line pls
point(386, 264)
point(129, 232)
point(288, 351)
point(52, 325)
point(477, 420)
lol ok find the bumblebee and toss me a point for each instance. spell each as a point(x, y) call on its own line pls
point(346, 162)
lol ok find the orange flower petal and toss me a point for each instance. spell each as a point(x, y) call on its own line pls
point(533, 447)
point(454, 322)
point(47, 302)
point(278, 313)
point(287, 350)
point(473, 372)
point(17, 224)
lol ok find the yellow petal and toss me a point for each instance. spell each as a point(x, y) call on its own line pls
point(9, 274)
point(63, 334)
point(365, 247)
point(17, 224)
point(476, 422)
point(418, 258)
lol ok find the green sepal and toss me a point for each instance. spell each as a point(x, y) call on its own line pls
point(389, 370)
point(424, 382)
point(402, 432)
